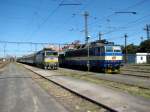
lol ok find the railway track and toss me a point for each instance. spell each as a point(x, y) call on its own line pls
point(137, 73)
point(136, 70)
point(132, 70)
point(141, 67)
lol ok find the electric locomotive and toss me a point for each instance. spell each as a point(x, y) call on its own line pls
point(46, 58)
point(99, 55)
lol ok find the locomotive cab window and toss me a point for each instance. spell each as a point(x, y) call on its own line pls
point(51, 53)
point(117, 49)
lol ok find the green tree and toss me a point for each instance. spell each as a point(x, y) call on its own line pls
point(145, 46)
point(131, 49)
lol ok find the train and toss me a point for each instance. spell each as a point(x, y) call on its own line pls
point(46, 58)
point(100, 55)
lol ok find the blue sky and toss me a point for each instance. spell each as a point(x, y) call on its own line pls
point(46, 21)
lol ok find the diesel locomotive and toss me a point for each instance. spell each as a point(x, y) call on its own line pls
point(99, 55)
point(46, 58)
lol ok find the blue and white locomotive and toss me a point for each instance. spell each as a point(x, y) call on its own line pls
point(103, 56)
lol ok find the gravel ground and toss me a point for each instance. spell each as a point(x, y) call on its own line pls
point(3, 64)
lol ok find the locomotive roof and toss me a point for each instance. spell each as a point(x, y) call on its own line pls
point(48, 49)
point(98, 43)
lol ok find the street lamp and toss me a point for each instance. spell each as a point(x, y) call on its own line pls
point(124, 12)
point(128, 12)
point(88, 51)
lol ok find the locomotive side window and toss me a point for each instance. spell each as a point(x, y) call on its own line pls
point(109, 49)
point(102, 50)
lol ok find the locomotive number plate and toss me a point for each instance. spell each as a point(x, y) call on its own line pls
point(113, 58)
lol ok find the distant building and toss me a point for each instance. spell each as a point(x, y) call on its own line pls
point(138, 58)
point(4, 59)
point(141, 58)
point(131, 58)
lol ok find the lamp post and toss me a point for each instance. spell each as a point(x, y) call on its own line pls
point(125, 36)
point(87, 37)
point(88, 55)
point(128, 12)
point(126, 51)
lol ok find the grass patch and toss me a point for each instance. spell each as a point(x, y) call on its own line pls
point(134, 90)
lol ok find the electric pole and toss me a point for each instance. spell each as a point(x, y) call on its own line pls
point(100, 36)
point(86, 14)
point(4, 47)
point(125, 45)
point(147, 29)
point(141, 39)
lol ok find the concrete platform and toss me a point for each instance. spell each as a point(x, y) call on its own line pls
point(116, 100)
point(19, 93)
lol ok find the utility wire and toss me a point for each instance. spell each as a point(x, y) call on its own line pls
point(129, 7)
point(126, 26)
point(77, 13)
point(47, 18)
point(35, 13)
point(134, 5)
point(129, 23)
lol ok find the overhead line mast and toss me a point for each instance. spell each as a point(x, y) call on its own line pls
point(126, 50)
point(86, 14)
point(147, 29)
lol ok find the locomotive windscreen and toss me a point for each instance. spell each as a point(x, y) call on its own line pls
point(48, 53)
point(113, 49)
point(117, 49)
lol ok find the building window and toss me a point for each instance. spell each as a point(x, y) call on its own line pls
point(141, 58)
